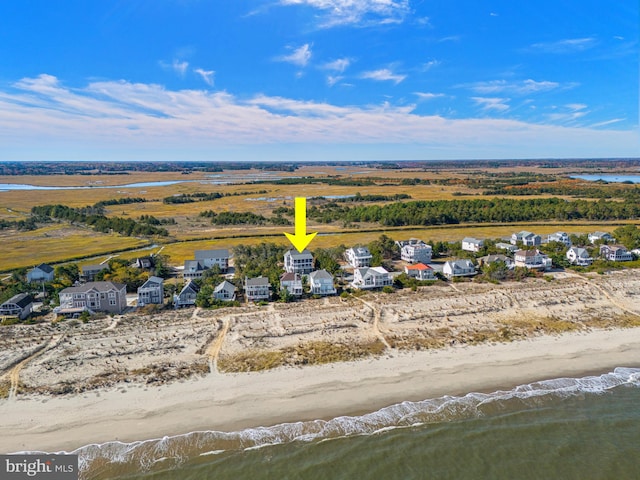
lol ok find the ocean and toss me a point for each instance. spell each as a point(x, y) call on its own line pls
point(566, 428)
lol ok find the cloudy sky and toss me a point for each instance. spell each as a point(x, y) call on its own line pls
point(318, 79)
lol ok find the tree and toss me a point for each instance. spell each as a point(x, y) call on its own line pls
point(629, 236)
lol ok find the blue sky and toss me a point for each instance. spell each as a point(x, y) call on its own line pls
point(318, 79)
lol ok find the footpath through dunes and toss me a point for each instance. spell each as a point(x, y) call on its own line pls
point(136, 350)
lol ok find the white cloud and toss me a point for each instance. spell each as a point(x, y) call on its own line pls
point(607, 122)
point(428, 95)
point(180, 67)
point(358, 12)
point(333, 79)
point(42, 118)
point(576, 106)
point(430, 64)
point(339, 65)
point(492, 103)
point(300, 56)
point(207, 75)
point(384, 74)
point(524, 87)
point(569, 45)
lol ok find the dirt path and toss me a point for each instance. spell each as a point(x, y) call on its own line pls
point(603, 291)
point(214, 349)
point(376, 322)
point(14, 374)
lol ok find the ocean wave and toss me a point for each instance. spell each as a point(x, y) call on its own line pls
point(173, 451)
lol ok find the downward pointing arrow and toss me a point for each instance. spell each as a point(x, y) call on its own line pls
point(300, 240)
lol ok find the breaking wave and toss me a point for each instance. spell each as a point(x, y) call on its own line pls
point(113, 458)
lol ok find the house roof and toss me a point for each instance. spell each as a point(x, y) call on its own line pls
point(379, 269)
point(412, 241)
point(21, 299)
point(600, 234)
point(494, 258)
point(193, 265)
point(461, 263)
point(91, 268)
point(257, 282)
point(97, 286)
point(44, 267)
point(471, 240)
point(224, 285)
point(219, 253)
point(320, 274)
point(361, 251)
point(290, 277)
point(579, 251)
point(418, 266)
point(615, 248)
point(296, 254)
point(527, 253)
point(145, 261)
point(191, 286)
point(153, 279)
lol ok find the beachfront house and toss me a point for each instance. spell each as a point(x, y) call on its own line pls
point(579, 256)
point(292, 282)
point(371, 277)
point(532, 259)
point(20, 305)
point(193, 269)
point(601, 236)
point(458, 268)
point(256, 289)
point(107, 297)
point(415, 251)
point(225, 291)
point(151, 292)
point(615, 253)
point(525, 238)
point(187, 296)
point(420, 271)
point(298, 262)
point(213, 258)
point(471, 244)
point(41, 273)
point(507, 246)
point(321, 283)
point(88, 272)
point(489, 259)
point(358, 257)
point(561, 237)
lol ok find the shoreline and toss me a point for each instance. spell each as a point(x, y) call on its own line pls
point(233, 402)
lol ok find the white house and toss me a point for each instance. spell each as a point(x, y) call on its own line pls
point(212, 258)
point(532, 259)
point(292, 282)
point(41, 273)
point(415, 251)
point(257, 288)
point(603, 236)
point(225, 291)
point(471, 244)
point(615, 253)
point(298, 262)
point(507, 246)
point(420, 271)
point(95, 296)
point(358, 257)
point(579, 256)
point(20, 305)
point(371, 277)
point(527, 239)
point(458, 268)
point(321, 283)
point(151, 292)
point(561, 237)
point(187, 296)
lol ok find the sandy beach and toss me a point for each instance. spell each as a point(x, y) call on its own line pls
point(138, 377)
point(231, 402)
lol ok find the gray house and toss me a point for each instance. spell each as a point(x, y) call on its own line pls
point(212, 258)
point(257, 288)
point(88, 272)
point(298, 262)
point(321, 283)
point(527, 239)
point(94, 296)
point(193, 269)
point(458, 268)
point(151, 292)
point(225, 291)
point(187, 296)
point(20, 305)
point(41, 273)
point(415, 251)
point(292, 282)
